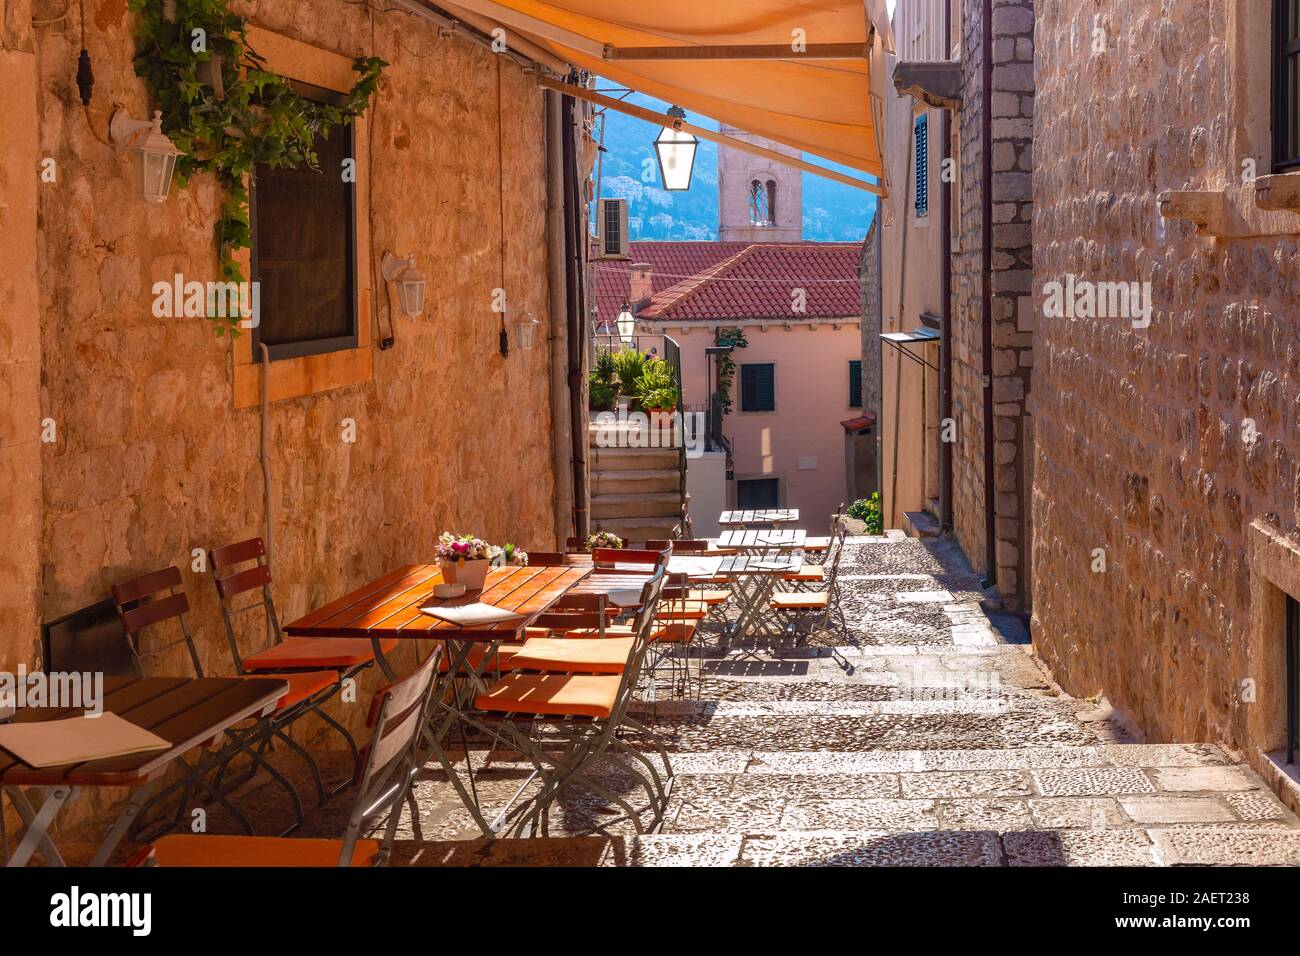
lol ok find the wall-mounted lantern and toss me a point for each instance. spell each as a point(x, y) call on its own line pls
point(526, 332)
point(675, 150)
point(409, 280)
point(155, 155)
point(626, 325)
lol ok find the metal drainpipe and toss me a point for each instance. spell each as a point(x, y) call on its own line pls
point(573, 237)
point(990, 541)
point(561, 424)
point(945, 331)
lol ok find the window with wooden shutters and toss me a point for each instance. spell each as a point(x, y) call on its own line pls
point(304, 249)
point(855, 383)
point(921, 176)
point(1286, 85)
point(758, 387)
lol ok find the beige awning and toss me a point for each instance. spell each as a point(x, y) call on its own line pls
point(731, 60)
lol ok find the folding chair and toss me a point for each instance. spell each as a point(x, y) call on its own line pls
point(345, 657)
point(397, 714)
point(815, 550)
point(586, 713)
point(155, 598)
point(806, 610)
point(812, 577)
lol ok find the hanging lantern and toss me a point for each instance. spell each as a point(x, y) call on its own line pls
point(675, 150)
point(409, 280)
point(626, 324)
point(155, 154)
point(526, 332)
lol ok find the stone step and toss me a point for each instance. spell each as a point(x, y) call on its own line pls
point(638, 481)
point(622, 506)
point(632, 459)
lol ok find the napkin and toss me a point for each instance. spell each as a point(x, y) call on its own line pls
point(52, 743)
point(470, 614)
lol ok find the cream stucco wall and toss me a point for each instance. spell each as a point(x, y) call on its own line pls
point(911, 284)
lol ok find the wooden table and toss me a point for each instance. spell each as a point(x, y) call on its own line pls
point(759, 517)
point(755, 577)
point(185, 711)
point(772, 539)
point(390, 606)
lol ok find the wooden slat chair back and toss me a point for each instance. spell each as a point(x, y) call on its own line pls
point(619, 559)
point(232, 584)
point(546, 559)
point(152, 599)
point(397, 714)
point(577, 612)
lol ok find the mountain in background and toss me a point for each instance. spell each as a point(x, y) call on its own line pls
point(832, 212)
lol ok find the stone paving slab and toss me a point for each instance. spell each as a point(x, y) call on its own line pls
point(874, 848)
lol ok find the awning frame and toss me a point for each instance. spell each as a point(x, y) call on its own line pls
point(663, 119)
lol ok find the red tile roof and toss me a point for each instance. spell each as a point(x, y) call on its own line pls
point(712, 281)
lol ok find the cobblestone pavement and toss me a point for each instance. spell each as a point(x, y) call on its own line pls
point(918, 733)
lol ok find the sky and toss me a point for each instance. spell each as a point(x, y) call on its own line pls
point(832, 211)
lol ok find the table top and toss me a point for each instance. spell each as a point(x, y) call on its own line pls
point(185, 711)
point(761, 564)
point(774, 538)
point(390, 606)
point(760, 516)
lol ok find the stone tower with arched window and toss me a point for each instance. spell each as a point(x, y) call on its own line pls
point(758, 200)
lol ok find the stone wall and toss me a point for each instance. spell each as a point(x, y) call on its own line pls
point(1157, 447)
point(152, 459)
point(1010, 270)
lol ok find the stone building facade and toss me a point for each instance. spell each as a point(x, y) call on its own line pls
point(129, 443)
point(1166, 502)
point(992, 207)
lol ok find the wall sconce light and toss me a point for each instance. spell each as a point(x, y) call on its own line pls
point(526, 332)
point(410, 282)
point(155, 154)
point(626, 325)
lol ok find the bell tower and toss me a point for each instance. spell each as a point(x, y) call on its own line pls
point(758, 200)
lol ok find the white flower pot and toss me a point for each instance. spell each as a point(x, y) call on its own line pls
point(472, 574)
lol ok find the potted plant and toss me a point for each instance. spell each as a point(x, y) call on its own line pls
point(514, 556)
point(465, 559)
point(630, 364)
point(601, 396)
point(603, 539)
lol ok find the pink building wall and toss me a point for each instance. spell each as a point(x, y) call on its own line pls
point(812, 398)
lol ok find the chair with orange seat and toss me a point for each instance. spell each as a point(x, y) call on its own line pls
point(150, 601)
point(817, 550)
point(242, 569)
point(805, 610)
point(397, 714)
point(565, 720)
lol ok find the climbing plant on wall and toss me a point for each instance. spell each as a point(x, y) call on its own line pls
point(727, 366)
point(227, 112)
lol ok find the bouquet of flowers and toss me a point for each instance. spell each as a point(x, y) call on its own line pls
point(516, 557)
point(455, 548)
point(603, 539)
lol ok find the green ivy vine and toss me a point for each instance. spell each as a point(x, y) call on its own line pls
point(230, 118)
point(727, 366)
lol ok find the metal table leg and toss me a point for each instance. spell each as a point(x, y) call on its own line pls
point(36, 824)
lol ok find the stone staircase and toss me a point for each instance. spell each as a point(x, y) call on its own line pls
point(635, 492)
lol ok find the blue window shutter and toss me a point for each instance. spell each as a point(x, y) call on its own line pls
point(921, 131)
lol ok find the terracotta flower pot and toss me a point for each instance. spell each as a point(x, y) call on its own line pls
point(472, 574)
